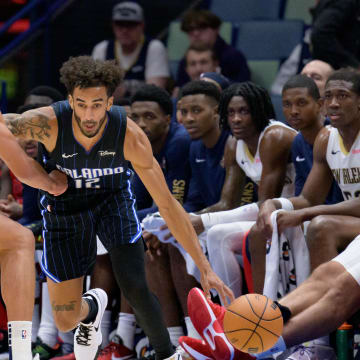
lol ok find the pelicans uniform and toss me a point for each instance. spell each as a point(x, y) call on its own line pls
point(99, 199)
point(345, 166)
point(252, 165)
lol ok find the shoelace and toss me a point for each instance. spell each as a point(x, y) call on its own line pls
point(83, 336)
point(305, 350)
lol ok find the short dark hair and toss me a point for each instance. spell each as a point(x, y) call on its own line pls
point(256, 97)
point(193, 19)
point(48, 91)
point(303, 81)
point(200, 87)
point(156, 94)
point(347, 74)
point(85, 72)
point(201, 47)
point(22, 108)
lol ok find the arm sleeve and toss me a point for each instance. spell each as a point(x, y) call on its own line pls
point(157, 63)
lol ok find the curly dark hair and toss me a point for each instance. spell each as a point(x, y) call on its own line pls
point(347, 74)
point(200, 87)
point(256, 97)
point(85, 72)
point(302, 81)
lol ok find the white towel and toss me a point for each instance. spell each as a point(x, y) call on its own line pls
point(287, 261)
point(152, 224)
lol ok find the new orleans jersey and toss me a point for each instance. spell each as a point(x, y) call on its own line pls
point(344, 165)
point(252, 165)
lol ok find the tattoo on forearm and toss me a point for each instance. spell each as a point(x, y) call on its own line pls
point(63, 307)
point(37, 126)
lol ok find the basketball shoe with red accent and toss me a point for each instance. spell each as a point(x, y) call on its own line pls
point(207, 319)
point(196, 348)
point(116, 350)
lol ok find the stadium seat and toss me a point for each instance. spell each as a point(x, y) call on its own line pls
point(263, 72)
point(277, 102)
point(269, 40)
point(178, 42)
point(299, 10)
point(240, 10)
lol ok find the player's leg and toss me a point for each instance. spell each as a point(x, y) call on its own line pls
point(328, 235)
point(17, 246)
point(224, 241)
point(129, 270)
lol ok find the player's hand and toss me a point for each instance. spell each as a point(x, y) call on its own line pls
point(60, 182)
point(153, 244)
point(197, 223)
point(263, 222)
point(209, 280)
point(287, 219)
point(11, 208)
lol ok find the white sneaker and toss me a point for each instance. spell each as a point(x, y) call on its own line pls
point(37, 357)
point(313, 352)
point(88, 337)
point(178, 355)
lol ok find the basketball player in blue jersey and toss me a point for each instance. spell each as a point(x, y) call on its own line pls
point(331, 295)
point(92, 141)
point(17, 247)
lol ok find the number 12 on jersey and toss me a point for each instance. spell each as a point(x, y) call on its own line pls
point(87, 183)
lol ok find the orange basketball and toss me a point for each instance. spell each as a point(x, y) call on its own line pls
point(253, 323)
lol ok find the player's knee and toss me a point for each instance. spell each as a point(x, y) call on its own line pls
point(23, 240)
point(318, 233)
point(64, 322)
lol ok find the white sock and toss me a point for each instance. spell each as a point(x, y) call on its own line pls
point(105, 327)
point(175, 332)
point(191, 331)
point(279, 346)
point(47, 330)
point(20, 340)
point(126, 329)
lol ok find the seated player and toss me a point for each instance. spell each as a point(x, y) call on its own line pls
point(262, 152)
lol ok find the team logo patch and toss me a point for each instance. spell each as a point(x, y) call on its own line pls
point(23, 334)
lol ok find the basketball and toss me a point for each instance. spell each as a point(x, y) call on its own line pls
point(253, 323)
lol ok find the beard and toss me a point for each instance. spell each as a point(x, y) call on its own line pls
point(78, 121)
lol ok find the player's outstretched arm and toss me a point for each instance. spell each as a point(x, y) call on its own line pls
point(26, 169)
point(37, 124)
point(137, 149)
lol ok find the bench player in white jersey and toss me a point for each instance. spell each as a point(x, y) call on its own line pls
point(263, 154)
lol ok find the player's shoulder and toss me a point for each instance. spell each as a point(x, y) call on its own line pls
point(277, 132)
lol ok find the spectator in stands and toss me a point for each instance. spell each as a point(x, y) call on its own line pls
point(202, 26)
point(335, 26)
point(319, 71)
point(144, 60)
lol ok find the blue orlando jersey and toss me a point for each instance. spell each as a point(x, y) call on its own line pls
point(207, 173)
point(302, 157)
point(103, 168)
point(174, 162)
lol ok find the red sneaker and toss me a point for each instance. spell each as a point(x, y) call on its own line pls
point(116, 351)
point(197, 349)
point(208, 326)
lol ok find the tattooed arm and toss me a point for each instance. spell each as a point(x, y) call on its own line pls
point(38, 124)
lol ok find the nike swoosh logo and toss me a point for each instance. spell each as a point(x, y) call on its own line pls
point(200, 160)
point(68, 156)
point(298, 159)
point(334, 152)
